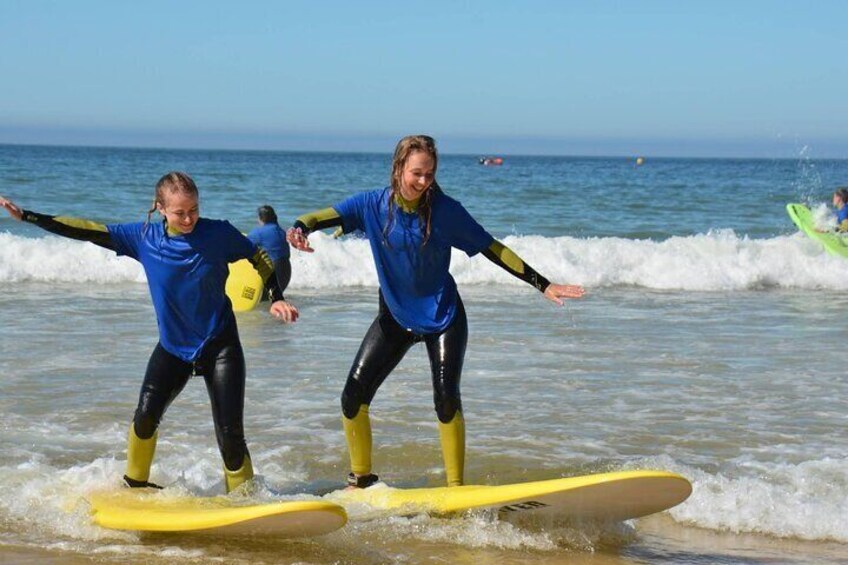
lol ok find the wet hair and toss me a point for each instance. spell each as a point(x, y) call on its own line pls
point(842, 193)
point(406, 147)
point(174, 182)
point(266, 214)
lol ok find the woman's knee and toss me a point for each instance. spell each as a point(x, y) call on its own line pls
point(353, 396)
point(145, 424)
point(447, 405)
point(233, 446)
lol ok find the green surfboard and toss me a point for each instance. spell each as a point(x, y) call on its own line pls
point(834, 243)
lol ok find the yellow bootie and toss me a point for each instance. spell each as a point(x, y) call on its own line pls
point(236, 478)
point(358, 435)
point(452, 436)
point(139, 458)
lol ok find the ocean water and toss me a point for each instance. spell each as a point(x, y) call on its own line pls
point(711, 343)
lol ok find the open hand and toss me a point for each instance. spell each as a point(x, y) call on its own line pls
point(558, 292)
point(298, 240)
point(10, 207)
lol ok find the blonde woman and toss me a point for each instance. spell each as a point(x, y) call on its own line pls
point(185, 259)
point(412, 225)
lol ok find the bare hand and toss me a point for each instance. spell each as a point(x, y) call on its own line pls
point(10, 207)
point(284, 311)
point(556, 292)
point(298, 240)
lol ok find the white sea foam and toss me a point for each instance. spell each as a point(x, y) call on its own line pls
point(801, 501)
point(808, 500)
point(715, 261)
point(55, 259)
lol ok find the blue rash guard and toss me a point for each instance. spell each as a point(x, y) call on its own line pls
point(187, 275)
point(272, 239)
point(841, 216)
point(416, 284)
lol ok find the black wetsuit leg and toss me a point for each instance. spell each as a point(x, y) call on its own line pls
point(165, 378)
point(283, 269)
point(446, 350)
point(383, 347)
point(222, 365)
point(223, 368)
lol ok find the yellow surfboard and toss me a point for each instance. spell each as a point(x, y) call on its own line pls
point(244, 286)
point(614, 496)
point(154, 511)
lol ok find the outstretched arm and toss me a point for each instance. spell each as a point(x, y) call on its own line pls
point(504, 257)
point(298, 235)
point(74, 228)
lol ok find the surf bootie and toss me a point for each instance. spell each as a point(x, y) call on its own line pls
point(132, 483)
point(139, 458)
point(452, 436)
point(235, 479)
point(362, 481)
point(358, 435)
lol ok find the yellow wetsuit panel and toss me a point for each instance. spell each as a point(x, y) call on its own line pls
point(504, 257)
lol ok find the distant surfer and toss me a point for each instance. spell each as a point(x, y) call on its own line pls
point(411, 226)
point(840, 202)
point(185, 258)
point(271, 237)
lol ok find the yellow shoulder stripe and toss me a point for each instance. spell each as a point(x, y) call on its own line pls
point(80, 224)
point(312, 219)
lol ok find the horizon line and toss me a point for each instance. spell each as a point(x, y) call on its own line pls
point(630, 156)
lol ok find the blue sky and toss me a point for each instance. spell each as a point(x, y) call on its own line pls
point(744, 78)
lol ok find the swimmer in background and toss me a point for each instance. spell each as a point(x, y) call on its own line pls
point(271, 237)
point(840, 202)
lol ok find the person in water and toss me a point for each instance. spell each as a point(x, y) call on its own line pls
point(271, 237)
point(411, 226)
point(185, 259)
point(840, 202)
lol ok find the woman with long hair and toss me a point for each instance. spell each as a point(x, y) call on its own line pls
point(412, 225)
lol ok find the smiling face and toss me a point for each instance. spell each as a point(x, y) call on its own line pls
point(181, 210)
point(418, 174)
point(837, 201)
